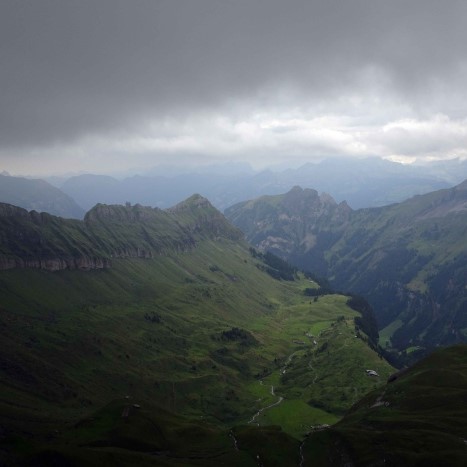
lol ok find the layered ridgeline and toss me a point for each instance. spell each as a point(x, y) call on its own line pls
point(148, 337)
point(38, 195)
point(40, 240)
point(361, 182)
point(409, 259)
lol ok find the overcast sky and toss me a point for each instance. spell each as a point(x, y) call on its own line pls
point(104, 85)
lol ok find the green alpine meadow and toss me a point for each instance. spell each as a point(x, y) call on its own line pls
point(141, 336)
point(151, 337)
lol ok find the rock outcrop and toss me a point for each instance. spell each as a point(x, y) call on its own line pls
point(42, 241)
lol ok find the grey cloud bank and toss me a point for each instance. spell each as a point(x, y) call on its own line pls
point(90, 84)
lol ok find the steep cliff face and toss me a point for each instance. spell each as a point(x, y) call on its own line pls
point(39, 240)
point(199, 217)
point(42, 241)
point(8, 210)
point(297, 226)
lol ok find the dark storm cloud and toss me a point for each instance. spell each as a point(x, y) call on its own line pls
point(71, 68)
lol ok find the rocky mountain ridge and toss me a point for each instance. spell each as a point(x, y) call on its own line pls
point(43, 241)
point(409, 259)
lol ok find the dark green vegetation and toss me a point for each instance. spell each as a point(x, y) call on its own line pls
point(417, 419)
point(48, 242)
point(38, 195)
point(148, 337)
point(409, 259)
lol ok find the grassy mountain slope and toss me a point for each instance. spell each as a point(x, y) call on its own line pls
point(408, 259)
point(38, 195)
point(165, 355)
point(417, 419)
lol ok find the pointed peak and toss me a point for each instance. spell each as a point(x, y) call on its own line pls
point(194, 201)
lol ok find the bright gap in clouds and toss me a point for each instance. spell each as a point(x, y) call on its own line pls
point(112, 85)
point(260, 138)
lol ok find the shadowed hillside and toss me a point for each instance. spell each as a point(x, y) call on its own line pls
point(148, 337)
point(409, 259)
point(417, 419)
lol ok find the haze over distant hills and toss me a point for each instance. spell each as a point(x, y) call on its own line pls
point(408, 259)
point(362, 183)
point(38, 195)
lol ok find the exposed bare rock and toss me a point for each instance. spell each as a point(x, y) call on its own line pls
point(42, 241)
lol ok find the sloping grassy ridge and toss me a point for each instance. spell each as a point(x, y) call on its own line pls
point(165, 360)
point(418, 419)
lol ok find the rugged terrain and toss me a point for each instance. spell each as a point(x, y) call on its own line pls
point(151, 337)
point(408, 259)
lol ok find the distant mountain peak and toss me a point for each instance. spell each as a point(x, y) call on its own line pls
point(194, 201)
point(296, 189)
point(38, 195)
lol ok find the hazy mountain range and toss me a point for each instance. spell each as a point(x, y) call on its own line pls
point(362, 183)
point(38, 195)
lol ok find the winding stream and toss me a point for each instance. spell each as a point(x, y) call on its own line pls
point(257, 414)
point(280, 398)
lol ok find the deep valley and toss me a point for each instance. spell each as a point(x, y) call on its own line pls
point(160, 337)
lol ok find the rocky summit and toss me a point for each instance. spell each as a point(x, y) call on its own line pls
point(408, 259)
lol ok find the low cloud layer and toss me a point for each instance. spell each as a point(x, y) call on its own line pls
point(95, 85)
